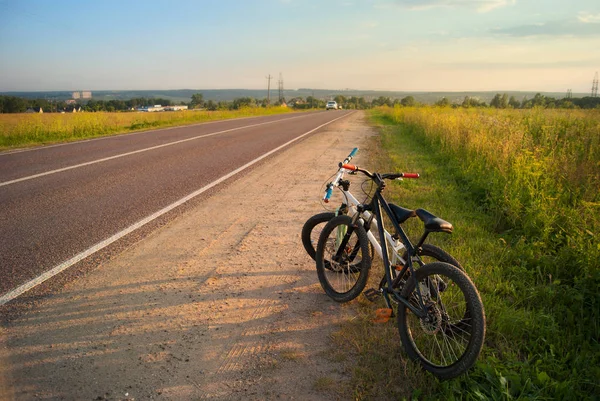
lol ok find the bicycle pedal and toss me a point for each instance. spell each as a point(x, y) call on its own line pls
point(382, 315)
point(371, 294)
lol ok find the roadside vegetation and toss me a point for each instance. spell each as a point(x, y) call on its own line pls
point(19, 130)
point(522, 188)
point(50, 120)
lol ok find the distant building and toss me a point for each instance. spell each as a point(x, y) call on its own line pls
point(86, 95)
point(176, 108)
point(34, 110)
point(76, 95)
point(156, 107)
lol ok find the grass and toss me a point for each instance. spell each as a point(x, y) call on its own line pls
point(21, 130)
point(534, 261)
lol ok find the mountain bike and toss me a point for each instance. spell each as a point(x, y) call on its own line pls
point(440, 315)
point(343, 288)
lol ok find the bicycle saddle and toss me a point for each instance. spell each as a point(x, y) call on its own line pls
point(401, 213)
point(434, 223)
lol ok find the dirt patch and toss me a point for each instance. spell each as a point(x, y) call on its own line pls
point(222, 303)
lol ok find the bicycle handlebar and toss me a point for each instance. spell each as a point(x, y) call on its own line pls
point(344, 166)
point(390, 176)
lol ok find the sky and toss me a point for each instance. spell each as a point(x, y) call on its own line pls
point(397, 45)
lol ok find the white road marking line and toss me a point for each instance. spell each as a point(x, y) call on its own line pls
point(135, 151)
point(9, 296)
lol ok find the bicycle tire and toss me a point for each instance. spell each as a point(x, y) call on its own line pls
point(345, 278)
point(437, 253)
point(425, 251)
point(463, 340)
point(311, 232)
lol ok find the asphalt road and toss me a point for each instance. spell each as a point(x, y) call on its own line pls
point(57, 202)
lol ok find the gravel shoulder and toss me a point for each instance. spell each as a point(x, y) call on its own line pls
point(221, 303)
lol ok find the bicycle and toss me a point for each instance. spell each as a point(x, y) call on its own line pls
point(440, 315)
point(313, 226)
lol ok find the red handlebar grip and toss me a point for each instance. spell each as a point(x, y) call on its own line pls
point(410, 175)
point(351, 167)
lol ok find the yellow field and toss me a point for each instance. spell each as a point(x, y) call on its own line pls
point(545, 147)
point(17, 130)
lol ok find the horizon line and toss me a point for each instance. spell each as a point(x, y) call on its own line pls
point(297, 89)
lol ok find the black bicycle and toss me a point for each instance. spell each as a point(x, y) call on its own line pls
point(344, 288)
point(440, 315)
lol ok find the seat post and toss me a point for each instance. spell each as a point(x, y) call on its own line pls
point(422, 239)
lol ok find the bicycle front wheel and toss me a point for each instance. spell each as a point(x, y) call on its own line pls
point(343, 259)
point(448, 340)
point(312, 230)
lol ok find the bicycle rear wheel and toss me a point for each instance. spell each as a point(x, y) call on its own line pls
point(428, 253)
point(343, 259)
point(448, 340)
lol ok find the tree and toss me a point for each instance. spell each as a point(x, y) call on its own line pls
point(242, 102)
point(504, 101)
point(197, 100)
point(340, 100)
point(500, 101)
point(539, 100)
point(443, 102)
point(315, 103)
point(408, 101)
point(514, 103)
point(13, 104)
point(468, 102)
point(210, 105)
point(382, 101)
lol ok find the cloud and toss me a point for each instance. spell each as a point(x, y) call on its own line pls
point(588, 18)
point(528, 65)
point(480, 5)
point(553, 28)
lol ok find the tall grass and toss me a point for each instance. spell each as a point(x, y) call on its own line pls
point(17, 130)
point(534, 178)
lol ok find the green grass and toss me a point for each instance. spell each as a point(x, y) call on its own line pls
point(21, 130)
point(542, 329)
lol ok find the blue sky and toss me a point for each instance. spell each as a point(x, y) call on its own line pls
point(406, 45)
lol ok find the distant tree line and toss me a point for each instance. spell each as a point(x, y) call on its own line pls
point(13, 104)
point(502, 101)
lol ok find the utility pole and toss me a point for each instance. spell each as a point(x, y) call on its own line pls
point(269, 77)
point(595, 85)
point(280, 87)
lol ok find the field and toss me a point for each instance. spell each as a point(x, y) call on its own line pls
point(522, 190)
point(19, 130)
